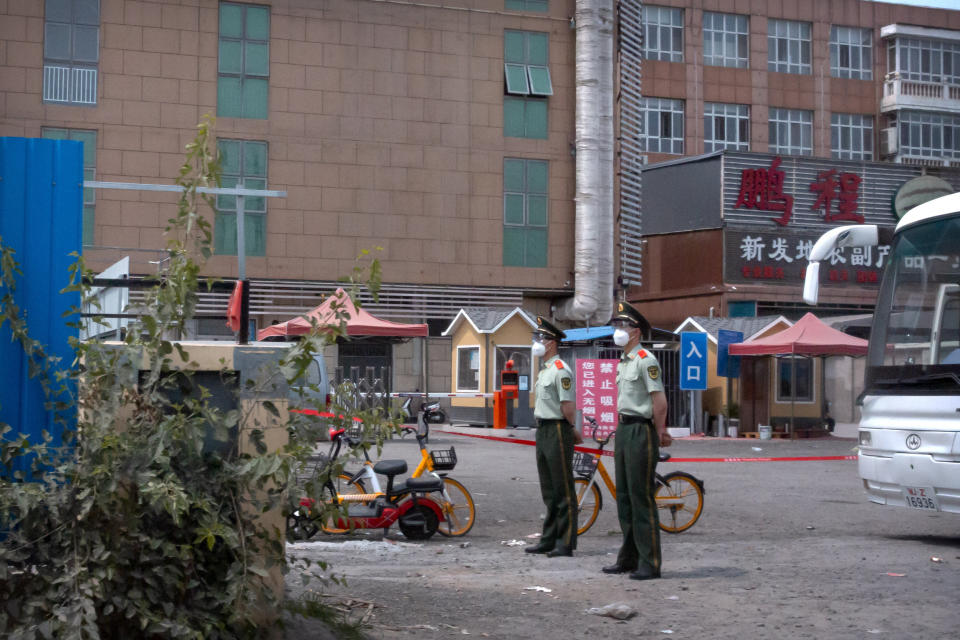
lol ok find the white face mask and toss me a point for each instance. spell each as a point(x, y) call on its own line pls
point(538, 349)
point(621, 337)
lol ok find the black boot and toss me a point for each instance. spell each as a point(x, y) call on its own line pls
point(644, 573)
point(617, 568)
point(539, 548)
point(559, 551)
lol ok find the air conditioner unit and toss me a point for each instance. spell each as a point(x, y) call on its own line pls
point(888, 141)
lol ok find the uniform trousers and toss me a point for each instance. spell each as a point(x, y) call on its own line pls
point(636, 453)
point(555, 468)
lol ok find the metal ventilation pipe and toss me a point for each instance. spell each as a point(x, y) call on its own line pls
point(593, 250)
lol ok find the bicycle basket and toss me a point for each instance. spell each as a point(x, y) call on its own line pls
point(444, 459)
point(584, 464)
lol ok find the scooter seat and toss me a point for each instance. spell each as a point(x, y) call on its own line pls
point(426, 483)
point(390, 467)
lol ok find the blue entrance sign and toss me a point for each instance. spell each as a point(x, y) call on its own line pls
point(728, 365)
point(693, 361)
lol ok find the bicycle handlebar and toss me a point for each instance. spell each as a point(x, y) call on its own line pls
point(600, 441)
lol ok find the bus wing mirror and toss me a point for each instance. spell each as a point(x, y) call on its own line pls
point(811, 283)
point(854, 235)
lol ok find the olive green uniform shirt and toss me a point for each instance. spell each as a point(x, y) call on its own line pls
point(554, 385)
point(638, 376)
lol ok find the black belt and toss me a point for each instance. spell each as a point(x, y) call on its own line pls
point(541, 421)
point(628, 419)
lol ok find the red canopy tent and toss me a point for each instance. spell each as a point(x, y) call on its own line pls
point(358, 321)
point(810, 337)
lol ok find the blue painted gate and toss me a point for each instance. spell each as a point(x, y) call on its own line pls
point(41, 213)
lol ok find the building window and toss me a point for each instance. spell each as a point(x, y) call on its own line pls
point(526, 55)
point(663, 33)
point(929, 135)
point(925, 60)
point(468, 368)
point(791, 132)
point(726, 126)
point(788, 46)
point(244, 163)
point(663, 125)
point(524, 212)
point(725, 40)
point(851, 52)
point(802, 391)
point(71, 51)
point(525, 117)
point(89, 140)
point(244, 61)
point(539, 6)
point(851, 136)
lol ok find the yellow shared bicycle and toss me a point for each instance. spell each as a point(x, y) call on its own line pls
point(679, 494)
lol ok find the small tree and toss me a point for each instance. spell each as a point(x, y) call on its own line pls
point(136, 528)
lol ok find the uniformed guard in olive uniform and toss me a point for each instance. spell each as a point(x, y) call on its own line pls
point(641, 431)
point(555, 413)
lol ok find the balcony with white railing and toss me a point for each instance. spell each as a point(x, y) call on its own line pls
point(69, 84)
point(899, 93)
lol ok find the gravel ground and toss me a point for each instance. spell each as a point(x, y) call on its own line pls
point(783, 550)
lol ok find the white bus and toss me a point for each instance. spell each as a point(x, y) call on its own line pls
point(910, 419)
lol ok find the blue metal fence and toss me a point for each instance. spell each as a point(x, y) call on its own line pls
point(41, 213)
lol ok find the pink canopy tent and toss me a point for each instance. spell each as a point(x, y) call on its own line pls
point(808, 337)
point(358, 321)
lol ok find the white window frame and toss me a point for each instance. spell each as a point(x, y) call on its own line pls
point(857, 43)
point(655, 110)
point(475, 347)
point(73, 79)
point(659, 24)
point(858, 131)
point(730, 116)
point(924, 60)
point(789, 46)
point(781, 399)
point(791, 131)
point(916, 129)
point(726, 40)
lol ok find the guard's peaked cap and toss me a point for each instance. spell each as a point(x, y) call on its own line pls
point(628, 313)
point(548, 330)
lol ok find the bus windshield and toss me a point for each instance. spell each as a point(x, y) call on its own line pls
point(915, 340)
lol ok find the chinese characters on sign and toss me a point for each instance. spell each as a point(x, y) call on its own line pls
point(693, 361)
point(782, 257)
point(597, 395)
point(837, 194)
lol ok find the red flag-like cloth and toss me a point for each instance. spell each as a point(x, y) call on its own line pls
point(233, 307)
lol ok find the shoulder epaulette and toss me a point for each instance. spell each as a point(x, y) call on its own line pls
point(559, 364)
point(642, 353)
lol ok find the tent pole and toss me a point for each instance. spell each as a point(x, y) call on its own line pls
point(793, 389)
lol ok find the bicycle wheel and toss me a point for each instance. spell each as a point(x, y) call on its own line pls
point(300, 526)
point(680, 501)
point(590, 502)
point(338, 486)
point(459, 512)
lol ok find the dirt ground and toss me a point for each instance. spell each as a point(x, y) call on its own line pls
point(783, 550)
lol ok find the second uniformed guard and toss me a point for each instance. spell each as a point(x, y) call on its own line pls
point(556, 435)
point(641, 431)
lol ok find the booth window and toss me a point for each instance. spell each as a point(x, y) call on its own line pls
point(524, 212)
point(243, 162)
point(89, 140)
point(521, 363)
point(804, 387)
point(243, 63)
point(468, 368)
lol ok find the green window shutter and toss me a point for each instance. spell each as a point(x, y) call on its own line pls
point(516, 75)
point(514, 47)
point(536, 119)
point(537, 211)
point(513, 174)
point(231, 57)
point(513, 209)
point(88, 218)
point(513, 247)
point(536, 248)
point(231, 20)
point(225, 234)
point(540, 84)
point(536, 176)
point(229, 156)
point(255, 159)
point(258, 23)
point(255, 230)
point(513, 118)
point(256, 61)
point(538, 5)
point(54, 134)
point(537, 49)
point(255, 98)
point(255, 203)
point(229, 102)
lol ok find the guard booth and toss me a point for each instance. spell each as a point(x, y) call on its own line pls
point(482, 341)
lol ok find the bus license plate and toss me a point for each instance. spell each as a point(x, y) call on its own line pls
point(921, 498)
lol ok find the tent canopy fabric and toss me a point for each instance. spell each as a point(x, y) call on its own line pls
point(358, 321)
point(808, 337)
